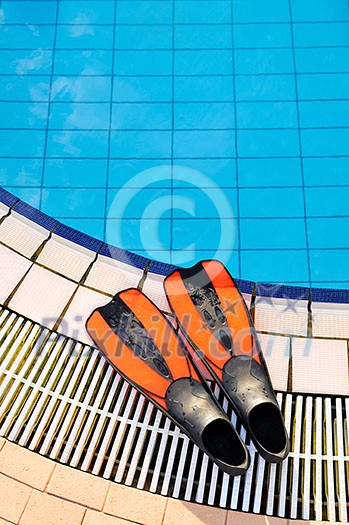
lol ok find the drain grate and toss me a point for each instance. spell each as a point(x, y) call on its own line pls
point(60, 398)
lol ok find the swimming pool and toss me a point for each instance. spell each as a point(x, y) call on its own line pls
point(185, 129)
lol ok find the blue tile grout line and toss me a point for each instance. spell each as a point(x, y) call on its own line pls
point(48, 109)
point(300, 147)
point(236, 141)
point(172, 128)
point(110, 126)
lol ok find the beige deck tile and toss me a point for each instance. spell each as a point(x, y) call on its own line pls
point(98, 518)
point(243, 518)
point(77, 486)
point(25, 466)
point(2, 442)
point(304, 522)
point(13, 498)
point(43, 509)
point(135, 505)
point(278, 521)
point(180, 512)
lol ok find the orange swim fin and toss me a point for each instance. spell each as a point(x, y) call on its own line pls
point(142, 345)
point(215, 320)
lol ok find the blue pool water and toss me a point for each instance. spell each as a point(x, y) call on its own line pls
point(185, 129)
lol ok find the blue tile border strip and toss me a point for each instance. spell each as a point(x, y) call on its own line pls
point(7, 198)
point(137, 261)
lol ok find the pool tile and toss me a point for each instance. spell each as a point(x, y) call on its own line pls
point(66, 258)
point(139, 173)
point(326, 171)
point(330, 319)
point(267, 115)
point(262, 35)
point(205, 172)
point(271, 202)
point(142, 116)
point(129, 203)
point(318, 363)
point(145, 235)
point(83, 62)
point(68, 144)
point(322, 86)
point(328, 232)
point(84, 37)
point(188, 257)
point(199, 62)
point(290, 265)
point(79, 115)
point(215, 143)
point(321, 34)
point(26, 36)
point(211, 203)
point(29, 195)
point(273, 234)
point(17, 12)
point(203, 89)
point(327, 202)
point(217, 12)
point(75, 172)
point(93, 227)
point(14, 266)
point(203, 36)
point(86, 12)
point(193, 234)
point(269, 172)
point(263, 61)
point(319, 10)
point(143, 37)
point(25, 88)
point(139, 12)
point(325, 142)
point(85, 203)
point(31, 62)
point(142, 89)
point(142, 62)
point(42, 296)
point(276, 351)
point(164, 256)
point(335, 260)
point(265, 87)
point(140, 144)
point(22, 235)
point(268, 143)
point(81, 89)
point(323, 114)
point(203, 115)
point(23, 143)
point(21, 172)
point(322, 60)
point(273, 11)
point(29, 115)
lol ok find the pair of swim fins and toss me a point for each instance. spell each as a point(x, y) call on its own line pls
point(216, 336)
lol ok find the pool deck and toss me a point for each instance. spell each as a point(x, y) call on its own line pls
point(35, 490)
